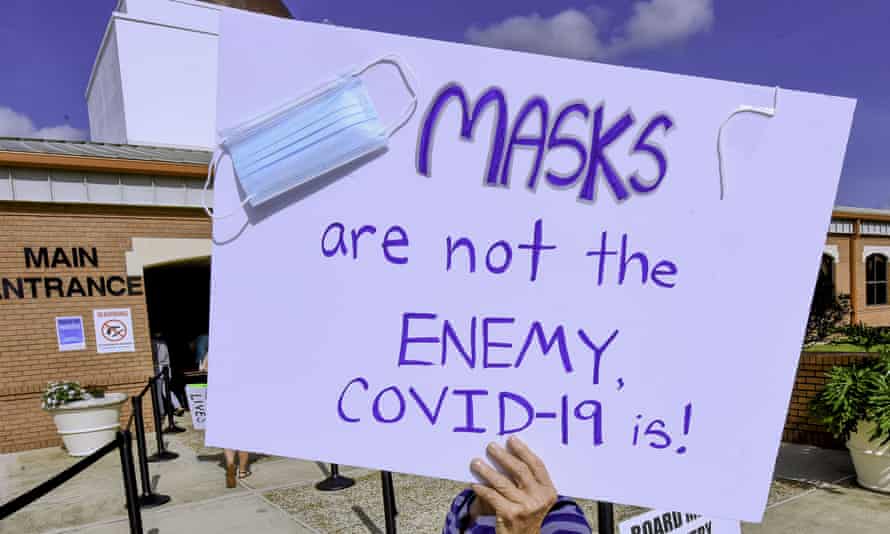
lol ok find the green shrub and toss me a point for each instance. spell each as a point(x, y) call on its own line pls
point(865, 336)
point(826, 316)
point(854, 393)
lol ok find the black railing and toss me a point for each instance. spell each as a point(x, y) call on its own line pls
point(605, 517)
point(162, 455)
point(148, 499)
point(123, 443)
point(168, 403)
point(389, 502)
point(335, 481)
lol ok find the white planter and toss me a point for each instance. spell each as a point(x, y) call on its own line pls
point(87, 425)
point(872, 462)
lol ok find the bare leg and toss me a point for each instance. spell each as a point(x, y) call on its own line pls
point(242, 463)
point(230, 468)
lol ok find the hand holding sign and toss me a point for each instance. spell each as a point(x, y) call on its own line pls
point(522, 498)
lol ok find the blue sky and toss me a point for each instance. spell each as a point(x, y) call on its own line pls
point(839, 47)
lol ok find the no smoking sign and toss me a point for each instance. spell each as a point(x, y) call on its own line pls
point(114, 330)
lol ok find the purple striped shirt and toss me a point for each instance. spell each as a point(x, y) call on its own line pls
point(564, 518)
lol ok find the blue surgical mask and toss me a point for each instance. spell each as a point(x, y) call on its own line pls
point(331, 126)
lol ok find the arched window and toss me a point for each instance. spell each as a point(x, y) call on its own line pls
point(876, 279)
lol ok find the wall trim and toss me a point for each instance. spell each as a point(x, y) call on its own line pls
point(149, 251)
point(868, 250)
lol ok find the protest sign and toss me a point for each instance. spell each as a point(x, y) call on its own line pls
point(197, 399)
point(114, 330)
point(69, 333)
point(541, 249)
point(657, 522)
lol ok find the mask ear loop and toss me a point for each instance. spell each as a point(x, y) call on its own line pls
point(767, 112)
point(406, 79)
point(213, 163)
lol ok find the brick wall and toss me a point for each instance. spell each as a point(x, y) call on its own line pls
point(29, 355)
point(799, 425)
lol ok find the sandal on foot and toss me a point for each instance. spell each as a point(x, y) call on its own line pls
point(244, 474)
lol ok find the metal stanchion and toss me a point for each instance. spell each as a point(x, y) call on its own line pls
point(389, 502)
point(148, 499)
point(335, 481)
point(387, 477)
point(605, 516)
point(163, 454)
point(168, 398)
point(125, 445)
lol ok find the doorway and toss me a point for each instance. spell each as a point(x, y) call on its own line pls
point(177, 296)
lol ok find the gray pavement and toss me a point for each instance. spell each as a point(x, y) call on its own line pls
point(814, 492)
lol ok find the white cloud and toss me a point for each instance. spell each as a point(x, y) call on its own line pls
point(570, 33)
point(577, 34)
point(659, 22)
point(15, 124)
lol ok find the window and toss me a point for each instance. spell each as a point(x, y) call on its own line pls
point(876, 279)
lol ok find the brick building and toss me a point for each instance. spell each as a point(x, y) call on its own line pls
point(84, 227)
point(856, 255)
point(91, 226)
point(107, 224)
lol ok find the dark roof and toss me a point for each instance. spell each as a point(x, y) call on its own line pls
point(104, 150)
point(269, 7)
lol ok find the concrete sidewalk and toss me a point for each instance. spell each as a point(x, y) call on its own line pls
point(826, 500)
point(814, 492)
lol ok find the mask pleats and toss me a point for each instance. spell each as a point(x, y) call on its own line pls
point(309, 139)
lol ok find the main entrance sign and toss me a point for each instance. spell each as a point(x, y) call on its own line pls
point(542, 249)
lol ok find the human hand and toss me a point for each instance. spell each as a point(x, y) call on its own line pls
point(523, 496)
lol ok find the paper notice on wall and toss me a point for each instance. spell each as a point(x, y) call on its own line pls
point(69, 332)
point(114, 330)
point(657, 522)
point(197, 399)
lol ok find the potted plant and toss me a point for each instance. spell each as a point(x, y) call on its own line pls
point(86, 418)
point(855, 407)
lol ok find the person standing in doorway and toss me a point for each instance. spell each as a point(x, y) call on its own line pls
point(162, 361)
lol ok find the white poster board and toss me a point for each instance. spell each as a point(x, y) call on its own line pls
point(114, 330)
point(69, 333)
point(445, 318)
point(197, 399)
point(657, 522)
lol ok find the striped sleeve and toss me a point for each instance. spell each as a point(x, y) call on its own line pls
point(564, 518)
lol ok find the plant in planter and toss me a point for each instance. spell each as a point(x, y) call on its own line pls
point(59, 393)
point(855, 407)
point(86, 418)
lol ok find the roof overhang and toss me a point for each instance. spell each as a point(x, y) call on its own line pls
point(100, 164)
